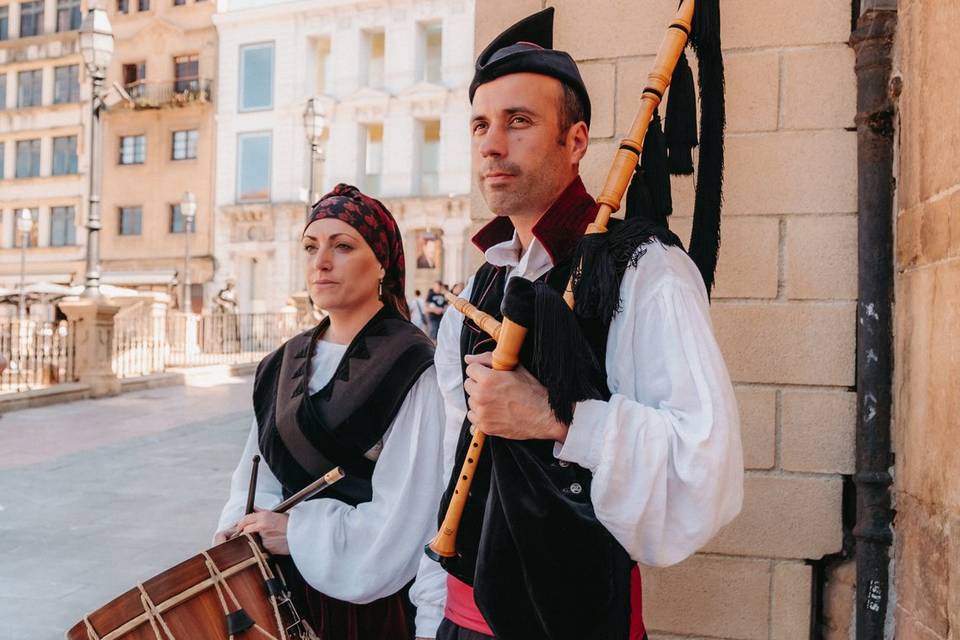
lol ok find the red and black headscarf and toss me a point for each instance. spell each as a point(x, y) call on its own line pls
point(378, 228)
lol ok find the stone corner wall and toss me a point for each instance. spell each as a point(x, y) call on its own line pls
point(927, 323)
point(784, 305)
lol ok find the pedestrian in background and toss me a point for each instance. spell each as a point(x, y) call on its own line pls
point(436, 305)
point(418, 312)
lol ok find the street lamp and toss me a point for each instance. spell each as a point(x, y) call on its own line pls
point(188, 211)
point(24, 226)
point(96, 48)
point(314, 124)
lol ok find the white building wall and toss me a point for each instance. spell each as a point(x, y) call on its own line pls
point(270, 231)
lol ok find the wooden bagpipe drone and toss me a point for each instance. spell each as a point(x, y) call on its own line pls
point(533, 538)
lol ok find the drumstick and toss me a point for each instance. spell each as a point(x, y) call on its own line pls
point(310, 490)
point(251, 493)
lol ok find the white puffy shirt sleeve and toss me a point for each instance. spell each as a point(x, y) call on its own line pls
point(370, 551)
point(665, 450)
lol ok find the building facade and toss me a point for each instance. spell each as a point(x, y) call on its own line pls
point(392, 79)
point(44, 104)
point(159, 141)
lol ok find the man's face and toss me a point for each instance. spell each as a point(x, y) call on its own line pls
point(521, 158)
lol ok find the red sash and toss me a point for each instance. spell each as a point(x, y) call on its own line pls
point(462, 610)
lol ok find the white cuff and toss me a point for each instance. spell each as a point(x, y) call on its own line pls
point(429, 617)
point(584, 442)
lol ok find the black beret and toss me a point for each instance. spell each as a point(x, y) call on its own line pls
point(527, 47)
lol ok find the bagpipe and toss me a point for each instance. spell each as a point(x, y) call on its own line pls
point(537, 540)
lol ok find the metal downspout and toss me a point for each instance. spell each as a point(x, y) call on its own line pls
point(873, 42)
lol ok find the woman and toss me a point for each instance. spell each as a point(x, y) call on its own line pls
point(358, 391)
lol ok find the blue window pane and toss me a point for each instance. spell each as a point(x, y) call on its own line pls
point(254, 169)
point(256, 77)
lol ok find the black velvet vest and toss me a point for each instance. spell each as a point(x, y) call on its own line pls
point(541, 564)
point(302, 437)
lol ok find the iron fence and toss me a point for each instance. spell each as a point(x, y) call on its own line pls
point(39, 354)
point(139, 344)
point(225, 338)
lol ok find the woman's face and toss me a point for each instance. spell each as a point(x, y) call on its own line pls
point(342, 271)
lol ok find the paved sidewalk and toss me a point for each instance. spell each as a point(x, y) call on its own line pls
point(98, 495)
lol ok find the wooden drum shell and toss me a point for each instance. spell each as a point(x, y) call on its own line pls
point(184, 600)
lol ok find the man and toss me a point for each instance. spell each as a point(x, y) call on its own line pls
point(657, 462)
point(436, 304)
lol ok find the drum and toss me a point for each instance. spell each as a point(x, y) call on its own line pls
point(225, 591)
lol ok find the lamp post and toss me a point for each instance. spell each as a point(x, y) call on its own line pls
point(24, 226)
point(96, 48)
point(188, 211)
point(314, 125)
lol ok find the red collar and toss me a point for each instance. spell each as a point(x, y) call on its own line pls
point(558, 230)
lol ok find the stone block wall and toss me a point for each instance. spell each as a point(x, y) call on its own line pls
point(785, 300)
point(927, 324)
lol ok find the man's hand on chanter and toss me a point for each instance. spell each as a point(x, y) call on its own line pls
point(509, 404)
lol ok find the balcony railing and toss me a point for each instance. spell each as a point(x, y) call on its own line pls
point(153, 95)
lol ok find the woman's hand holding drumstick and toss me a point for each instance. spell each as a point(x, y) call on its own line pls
point(271, 525)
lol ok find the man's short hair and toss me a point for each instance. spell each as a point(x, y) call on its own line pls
point(571, 108)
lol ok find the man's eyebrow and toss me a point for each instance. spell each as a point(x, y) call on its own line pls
point(513, 110)
point(509, 111)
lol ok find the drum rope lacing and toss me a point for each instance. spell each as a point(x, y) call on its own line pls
point(267, 575)
point(154, 615)
point(218, 580)
point(221, 586)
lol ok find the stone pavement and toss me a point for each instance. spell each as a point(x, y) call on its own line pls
point(98, 495)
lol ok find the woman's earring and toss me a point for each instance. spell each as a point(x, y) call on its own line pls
point(380, 292)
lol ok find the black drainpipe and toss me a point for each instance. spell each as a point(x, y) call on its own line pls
point(873, 42)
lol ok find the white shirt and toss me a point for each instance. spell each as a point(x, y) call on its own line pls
point(665, 449)
point(359, 554)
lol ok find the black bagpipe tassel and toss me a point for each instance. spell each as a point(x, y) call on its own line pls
point(656, 173)
point(705, 236)
point(680, 129)
point(562, 359)
point(596, 288)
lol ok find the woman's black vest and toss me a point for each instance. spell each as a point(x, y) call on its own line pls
point(303, 436)
point(541, 564)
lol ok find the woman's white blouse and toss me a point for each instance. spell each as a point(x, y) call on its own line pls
point(359, 554)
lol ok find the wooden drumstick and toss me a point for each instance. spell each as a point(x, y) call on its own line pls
point(252, 492)
point(310, 490)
